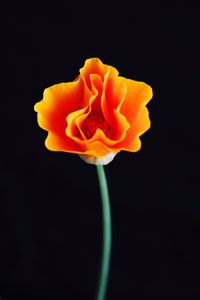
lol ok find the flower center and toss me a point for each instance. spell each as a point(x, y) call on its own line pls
point(93, 122)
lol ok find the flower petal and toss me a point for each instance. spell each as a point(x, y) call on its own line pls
point(142, 124)
point(73, 131)
point(59, 100)
point(98, 145)
point(138, 93)
point(114, 91)
point(92, 66)
point(56, 142)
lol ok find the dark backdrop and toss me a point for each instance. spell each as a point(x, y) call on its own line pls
point(50, 218)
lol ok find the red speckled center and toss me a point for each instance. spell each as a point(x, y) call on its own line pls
point(93, 122)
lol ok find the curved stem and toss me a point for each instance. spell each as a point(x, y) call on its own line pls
point(106, 239)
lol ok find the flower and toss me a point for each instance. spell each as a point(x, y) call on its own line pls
point(97, 115)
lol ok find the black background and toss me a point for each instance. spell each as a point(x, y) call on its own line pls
point(50, 217)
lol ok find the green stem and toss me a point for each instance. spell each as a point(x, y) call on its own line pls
point(106, 239)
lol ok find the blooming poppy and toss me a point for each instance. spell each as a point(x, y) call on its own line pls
point(96, 115)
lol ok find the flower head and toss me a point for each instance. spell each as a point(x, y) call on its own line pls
point(96, 115)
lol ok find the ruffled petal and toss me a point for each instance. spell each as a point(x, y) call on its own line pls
point(142, 123)
point(56, 142)
point(92, 66)
point(72, 130)
point(114, 91)
point(99, 145)
point(138, 93)
point(59, 100)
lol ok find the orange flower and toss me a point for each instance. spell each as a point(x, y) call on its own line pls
point(97, 115)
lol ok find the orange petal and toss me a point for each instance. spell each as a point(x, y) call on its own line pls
point(97, 87)
point(56, 142)
point(98, 145)
point(92, 66)
point(73, 131)
point(100, 136)
point(142, 124)
point(137, 93)
point(120, 125)
point(76, 118)
point(58, 102)
point(113, 94)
